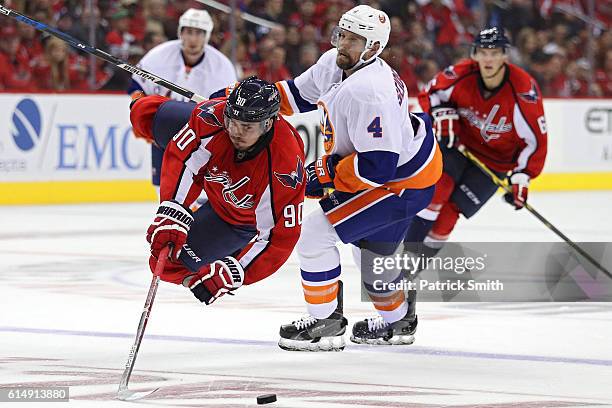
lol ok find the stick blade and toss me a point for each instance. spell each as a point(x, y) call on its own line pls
point(127, 395)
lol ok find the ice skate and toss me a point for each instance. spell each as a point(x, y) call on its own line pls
point(312, 334)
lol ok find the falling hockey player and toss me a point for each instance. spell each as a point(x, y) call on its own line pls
point(249, 161)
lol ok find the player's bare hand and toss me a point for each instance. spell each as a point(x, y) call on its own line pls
point(520, 188)
point(170, 227)
point(215, 280)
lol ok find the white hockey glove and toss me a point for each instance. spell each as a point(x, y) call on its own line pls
point(520, 188)
point(445, 123)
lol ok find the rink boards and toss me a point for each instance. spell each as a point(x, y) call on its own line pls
point(80, 148)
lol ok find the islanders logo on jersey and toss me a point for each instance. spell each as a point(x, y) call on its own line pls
point(207, 113)
point(293, 179)
point(327, 128)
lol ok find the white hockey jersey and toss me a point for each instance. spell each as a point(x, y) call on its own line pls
point(365, 119)
point(215, 71)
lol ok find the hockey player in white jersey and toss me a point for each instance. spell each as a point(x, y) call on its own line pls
point(189, 62)
point(381, 163)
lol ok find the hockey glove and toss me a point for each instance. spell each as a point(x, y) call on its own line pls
point(170, 227)
point(445, 123)
point(520, 187)
point(215, 280)
point(320, 175)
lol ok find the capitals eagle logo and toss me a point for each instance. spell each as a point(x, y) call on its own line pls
point(293, 179)
point(207, 113)
point(530, 96)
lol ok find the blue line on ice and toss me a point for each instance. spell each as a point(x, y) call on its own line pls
point(384, 349)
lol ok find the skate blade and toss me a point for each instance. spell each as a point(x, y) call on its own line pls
point(335, 343)
point(403, 340)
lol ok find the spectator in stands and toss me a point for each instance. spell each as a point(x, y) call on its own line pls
point(152, 39)
point(304, 15)
point(442, 24)
point(30, 41)
point(308, 56)
point(554, 75)
point(119, 39)
point(604, 75)
point(397, 59)
point(425, 71)
point(273, 68)
point(15, 72)
point(156, 11)
point(427, 31)
point(59, 70)
point(526, 45)
point(81, 25)
point(264, 49)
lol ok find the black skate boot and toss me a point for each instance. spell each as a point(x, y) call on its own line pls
point(312, 334)
point(374, 330)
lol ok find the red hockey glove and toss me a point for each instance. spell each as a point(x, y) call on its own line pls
point(215, 280)
point(445, 123)
point(170, 227)
point(320, 175)
point(520, 187)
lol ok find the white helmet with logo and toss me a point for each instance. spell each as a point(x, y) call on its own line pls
point(196, 19)
point(372, 24)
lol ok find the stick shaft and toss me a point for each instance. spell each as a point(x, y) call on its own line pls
point(101, 54)
point(144, 318)
point(532, 210)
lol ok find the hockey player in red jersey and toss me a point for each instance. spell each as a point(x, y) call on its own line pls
point(249, 161)
point(494, 109)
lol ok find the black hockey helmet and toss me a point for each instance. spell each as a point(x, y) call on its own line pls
point(253, 100)
point(493, 37)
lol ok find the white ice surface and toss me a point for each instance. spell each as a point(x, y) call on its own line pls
point(73, 280)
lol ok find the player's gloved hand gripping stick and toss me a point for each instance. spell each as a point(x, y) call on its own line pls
point(445, 123)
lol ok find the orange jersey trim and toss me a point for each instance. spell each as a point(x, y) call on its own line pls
point(357, 204)
point(346, 179)
point(427, 177)
point(285, 108)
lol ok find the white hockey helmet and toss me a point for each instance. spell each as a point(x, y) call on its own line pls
point(196, 19)
point(366, 21)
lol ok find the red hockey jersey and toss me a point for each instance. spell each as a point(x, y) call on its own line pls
point(507, 129)
point(264, 189)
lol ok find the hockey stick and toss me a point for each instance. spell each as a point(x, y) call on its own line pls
point(123, 393)
point(501, 183)
point(245, 16)
point(101, 54)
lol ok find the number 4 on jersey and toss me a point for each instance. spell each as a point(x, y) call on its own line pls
point(375, 127)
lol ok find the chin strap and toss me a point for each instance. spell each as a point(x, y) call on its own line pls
point(361, 63)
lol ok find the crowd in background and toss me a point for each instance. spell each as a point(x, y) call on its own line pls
point(550, 37)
